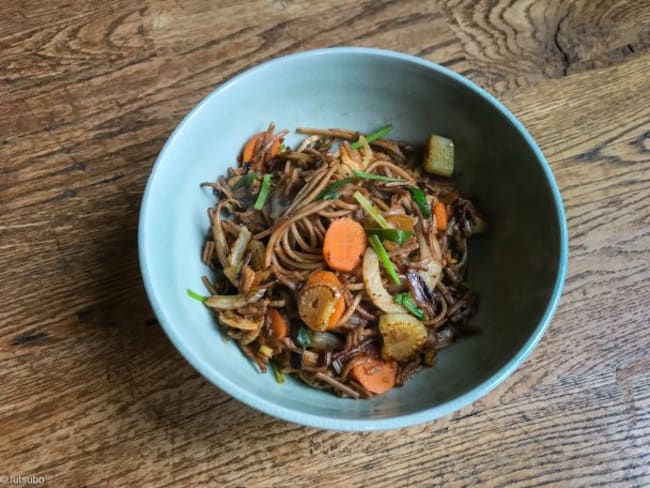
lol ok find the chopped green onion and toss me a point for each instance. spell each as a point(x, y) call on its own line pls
point(372, 211)
point(409, 304)
point(196, 296)
point(384, 259)
point(245, 181)
point(371, 176)
point(421, 201)
point(378, 134)
point(394, 235)
point(331, 192)
point(282, 147)
point(279, 375)
point(303, 336)
point(264, 192)
point(266, 350)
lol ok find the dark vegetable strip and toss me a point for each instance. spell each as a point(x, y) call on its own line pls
point(373, 136)
point(384, 259)
point(409, 304)
point(245, 181)
point(196, 296)
point(394, 235)
point(371, 176)
point(330, 192)
point(421, 201)
point(264, 192)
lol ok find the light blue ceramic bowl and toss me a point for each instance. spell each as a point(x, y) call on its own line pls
point(518, 268)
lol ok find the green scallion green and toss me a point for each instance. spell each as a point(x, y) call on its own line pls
point(371, 176)
point(384, 259)
point(264, 192)
point(394, 235)
point(405, 300)
point(372, 211)
point(331, 192)
point(373, 136)
point(196, 296)
point(421, 201)
point(279, 375)
point(245, 180)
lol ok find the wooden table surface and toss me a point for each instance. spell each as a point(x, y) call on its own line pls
point(92, 391)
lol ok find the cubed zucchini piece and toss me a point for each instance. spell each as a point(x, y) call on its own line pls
point(439, 158)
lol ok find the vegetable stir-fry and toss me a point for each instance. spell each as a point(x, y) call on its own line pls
point(343, 261)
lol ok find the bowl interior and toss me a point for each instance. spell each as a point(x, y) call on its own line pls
point(515, 267)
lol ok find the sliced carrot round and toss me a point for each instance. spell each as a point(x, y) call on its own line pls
point(373, 374)
point(321, 276)
point(344, 244)
point(321, 304)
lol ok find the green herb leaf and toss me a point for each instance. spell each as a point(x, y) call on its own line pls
point(264, 192)
point(384, 259)
point(196, 296)
point(394, 235)
point(371, 176)
point(373, 136)
point(331, 192)
point(245, 181)
point(405, 300)
point(421, 201)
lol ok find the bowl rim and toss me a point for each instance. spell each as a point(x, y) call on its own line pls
point(320, 421)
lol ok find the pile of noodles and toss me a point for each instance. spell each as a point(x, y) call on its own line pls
point(262, 258)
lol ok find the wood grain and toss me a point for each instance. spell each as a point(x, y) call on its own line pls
point(517, 43)
point(93, 393)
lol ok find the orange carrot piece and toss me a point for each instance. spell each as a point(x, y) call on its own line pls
point(374, 375)
point(440, 212)
point(318, 277)
point(344, 244)
point(279, 325)
point(275, 148)
point(339, 310)
point(329, 278)
point(249, 148)
point(260, 139)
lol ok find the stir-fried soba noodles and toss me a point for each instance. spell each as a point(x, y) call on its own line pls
point(342, 261)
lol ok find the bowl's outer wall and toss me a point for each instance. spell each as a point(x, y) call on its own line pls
point(514, 267)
